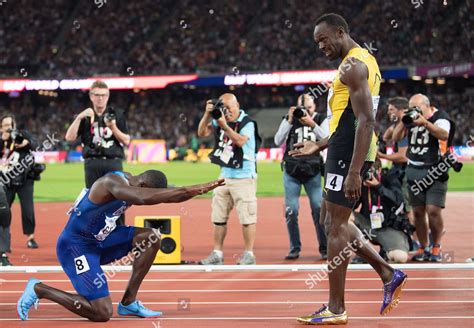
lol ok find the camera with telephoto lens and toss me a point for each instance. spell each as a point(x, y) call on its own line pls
point(36, 171)
point(411, 114)
point(381, 145)
point(16, 136)
point(452, 161)
point(369, 174)
point(218, 109)
point(299, 112)
point(110, 114)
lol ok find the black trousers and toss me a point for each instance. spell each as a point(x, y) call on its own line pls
point(95, 168)
point(5, 221)
point(25, 193)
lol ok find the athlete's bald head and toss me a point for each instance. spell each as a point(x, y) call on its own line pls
point(422, 102)
point(231, 106)
point(151, 179)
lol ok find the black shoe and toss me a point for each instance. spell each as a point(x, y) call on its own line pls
point(32, 244)
point(324, 256)
point(293, 255)
point(4, 260)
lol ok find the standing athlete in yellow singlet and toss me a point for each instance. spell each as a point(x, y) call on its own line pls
point(352, 104)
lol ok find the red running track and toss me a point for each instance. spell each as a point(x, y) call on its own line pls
point(431, 298)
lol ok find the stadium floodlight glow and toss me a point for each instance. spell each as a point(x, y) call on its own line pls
point(41, 85)
point(12, 85)
point(429, 81)
point(416, 78)
point(128, 83)
point(279, 78)
point(441, 81)
point(114, 83)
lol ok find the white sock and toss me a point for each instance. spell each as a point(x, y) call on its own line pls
point(219, 253)
point(249, 252)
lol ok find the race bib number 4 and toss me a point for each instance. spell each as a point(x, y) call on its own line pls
point(81, 264)
point(334, 182)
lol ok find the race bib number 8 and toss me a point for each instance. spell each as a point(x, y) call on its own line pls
point(334, 182)
point(81, 264)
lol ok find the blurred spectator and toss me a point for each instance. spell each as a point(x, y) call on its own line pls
point(82, 38)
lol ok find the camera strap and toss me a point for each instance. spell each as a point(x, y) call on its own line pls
point(235, 128)
point(98, 119)
point(370, 200)
point(378, 196)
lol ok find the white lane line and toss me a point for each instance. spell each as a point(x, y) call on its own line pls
point(262, 303)
point(246, 268)
point(239, 318)
point(236, 279)
point(262, 290)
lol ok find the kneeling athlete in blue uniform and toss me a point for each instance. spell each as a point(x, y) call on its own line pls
point(91, 239)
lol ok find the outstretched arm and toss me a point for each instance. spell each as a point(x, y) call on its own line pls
point(114, 188)
point(308, 148)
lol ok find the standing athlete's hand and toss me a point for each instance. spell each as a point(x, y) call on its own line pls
point(352, 186)
point(306, 148)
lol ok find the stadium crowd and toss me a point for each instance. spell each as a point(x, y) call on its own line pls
point(148, 37)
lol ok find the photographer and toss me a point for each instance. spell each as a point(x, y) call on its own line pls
point(396, 109)
point(17, 175)
point(428, 130)
point(235, 151)
point(103, 133)
point(5, 221)
point(381, 216)
point(301, 124)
